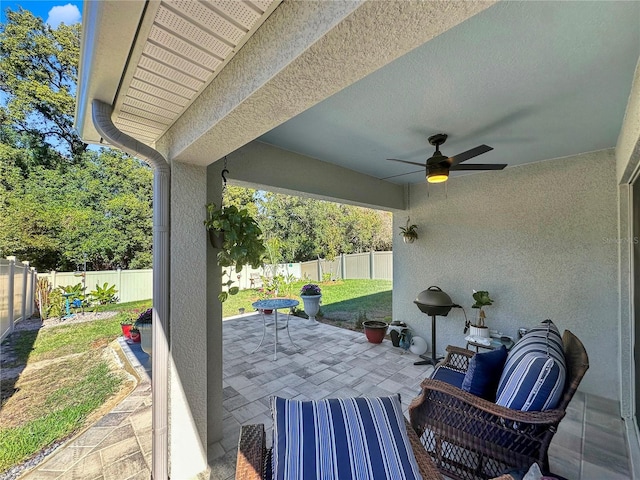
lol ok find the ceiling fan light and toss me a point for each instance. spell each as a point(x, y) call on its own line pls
point(437, 175)
point(437, 178)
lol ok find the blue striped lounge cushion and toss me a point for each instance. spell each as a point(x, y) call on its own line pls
point(341, 439)
point(535, 371)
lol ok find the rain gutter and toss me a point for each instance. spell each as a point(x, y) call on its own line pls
point(101, 115)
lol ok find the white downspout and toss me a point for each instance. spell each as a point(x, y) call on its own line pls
point(101, 114)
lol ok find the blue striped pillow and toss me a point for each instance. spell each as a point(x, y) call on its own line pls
point(347, 438)
point(535, 371)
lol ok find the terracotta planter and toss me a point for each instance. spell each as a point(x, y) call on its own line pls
point(125, 330)
point(375, 330)
point(267, 311)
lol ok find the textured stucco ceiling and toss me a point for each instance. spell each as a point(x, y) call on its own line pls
point(535, 80)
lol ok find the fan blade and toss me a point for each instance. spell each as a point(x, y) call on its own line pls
point(464, 156)
point(479, 166)
point(402, 174)
point(406, 161)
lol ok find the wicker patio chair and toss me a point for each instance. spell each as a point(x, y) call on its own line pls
point(471, 438)
point(254, 459)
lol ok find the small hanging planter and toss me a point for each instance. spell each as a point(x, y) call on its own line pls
point(409, 233)
point(216, 237)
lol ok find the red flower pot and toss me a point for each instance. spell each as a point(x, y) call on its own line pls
point(375, 330)
point(125, 330)
point(135, 337)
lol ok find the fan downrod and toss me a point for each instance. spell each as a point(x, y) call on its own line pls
point(438, 139)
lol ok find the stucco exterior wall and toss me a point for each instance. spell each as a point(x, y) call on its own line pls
point(188, 347)
point(541, 238)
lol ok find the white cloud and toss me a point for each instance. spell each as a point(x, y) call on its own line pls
point(67, 14)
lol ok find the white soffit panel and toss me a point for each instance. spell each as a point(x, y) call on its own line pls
point(177, 55)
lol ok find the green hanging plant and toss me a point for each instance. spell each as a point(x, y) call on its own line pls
point(238, 239)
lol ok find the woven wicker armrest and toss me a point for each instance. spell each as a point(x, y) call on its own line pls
point(427, 468)
point(476, 406)
point(252, 450)
point(457, 358)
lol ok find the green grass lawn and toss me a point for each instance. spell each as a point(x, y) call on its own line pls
point(342, 300)
point(45, 405)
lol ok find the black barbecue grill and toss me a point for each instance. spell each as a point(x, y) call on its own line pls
point(433, 301)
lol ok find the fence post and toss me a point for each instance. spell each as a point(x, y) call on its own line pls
point(53, 279)
point(32, 297)
point(372, 269)
point(12, 262)
point(23, 307)
point(119, 286)
point(343, 266)
point(319, 270)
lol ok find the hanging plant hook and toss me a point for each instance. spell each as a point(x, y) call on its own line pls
point(224, 177)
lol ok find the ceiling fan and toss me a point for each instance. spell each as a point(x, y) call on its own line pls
point(438, 166)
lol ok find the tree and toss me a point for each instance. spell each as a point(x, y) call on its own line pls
point(61, 204)
point(307, 228)
point(38, 73)
point(98, 210)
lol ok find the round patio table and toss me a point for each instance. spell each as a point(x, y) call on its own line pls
point(274, 304)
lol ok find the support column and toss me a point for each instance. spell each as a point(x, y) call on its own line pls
point(188, 347)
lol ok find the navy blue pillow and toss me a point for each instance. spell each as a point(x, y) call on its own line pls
point(484, 373)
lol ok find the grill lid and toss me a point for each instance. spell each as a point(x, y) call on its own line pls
point(433, 301)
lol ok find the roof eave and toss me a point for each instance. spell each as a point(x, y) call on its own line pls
point(108, 32)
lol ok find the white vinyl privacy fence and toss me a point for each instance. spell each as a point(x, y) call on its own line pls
point(131, 285)
point(135, 285)
point(372, 265)
point(17, 290)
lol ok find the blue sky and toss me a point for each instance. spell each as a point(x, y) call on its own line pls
point(51, 11)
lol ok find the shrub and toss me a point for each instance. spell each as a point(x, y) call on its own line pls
point(43, 289)
point(104, 295)
point(56, 304)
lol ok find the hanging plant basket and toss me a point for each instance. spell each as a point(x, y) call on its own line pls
point(238, 239)
point(216, 237)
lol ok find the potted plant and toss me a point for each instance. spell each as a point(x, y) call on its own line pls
point(145, 326)
point(479, 329)
point(311, 294)
point(238, 238)
point(409, 233)
point(134, 334)
point(265, 294)
point(375, 330)
point(126, 325)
